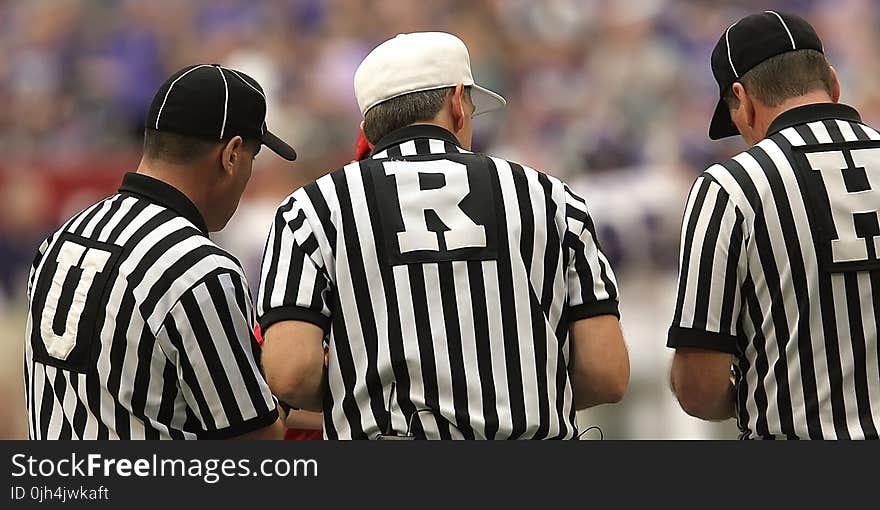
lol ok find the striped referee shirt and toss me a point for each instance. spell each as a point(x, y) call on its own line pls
point(445, 282)
point(140, 327)
point(780, 266)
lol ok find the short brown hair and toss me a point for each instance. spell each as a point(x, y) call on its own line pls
point(405, 110)
point(788, 75)
point(182, 149)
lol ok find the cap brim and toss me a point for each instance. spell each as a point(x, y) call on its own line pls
point(722, 126)
point(485, 100)
point(278, 146)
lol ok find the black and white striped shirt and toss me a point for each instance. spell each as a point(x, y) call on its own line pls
point(141, 327)
point(781, 267)
point(446, 282)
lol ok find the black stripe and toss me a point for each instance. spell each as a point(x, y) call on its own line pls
point(510, 334)
point(115, 205)
point(347, 373)
point(87, 218)
point(168, 399)
point(707, 261)
point(227, 319)
point(277, 231)
point(136, 209)
point(207, 342)
point(423, 146)
point(690, 229)
point(452, 322)
point(761, 363)
point(181, 266)
point(860, 133)
point(189, 377)
point(322, 209)
point(730, 317)
point(859, 350)
point(80, 414)
point(426, 350)
point(553, 247)
point(61, 389)
point(141, 385)
point(361, 283)
point(483, 346)
point(46, 405)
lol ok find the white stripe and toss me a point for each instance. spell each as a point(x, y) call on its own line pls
point(469, 353)
point(496, 342)
point(437, 146)
point(727, 42)
point(193, 352)
point(381, 155)
point(240, 77)
point(168, 92)
point(411, 350)
point(847, 357)
point(846, 130)
point(437, 323)
point(226, 355)
point(870, 132)
point(225, 102)
point(692, 283)
point(105, 206)
point(793, 137)
point(719, 276)
point(124, 208)
point(408, 148)
point(871, 354)
point(820, 132)
point(793, 46)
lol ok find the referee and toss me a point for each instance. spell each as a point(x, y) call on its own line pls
point(463, 296)
point(780, 265)
point(139, 326)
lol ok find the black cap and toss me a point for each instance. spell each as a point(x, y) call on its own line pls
point(747, 43)
point(214, 102)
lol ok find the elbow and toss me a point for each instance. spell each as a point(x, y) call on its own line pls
point(617, 388)
point(697, 400)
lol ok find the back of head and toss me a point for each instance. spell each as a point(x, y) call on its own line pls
point(403, 111)
point(786, 76)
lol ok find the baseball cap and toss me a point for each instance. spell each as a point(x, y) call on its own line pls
point(214, 102)
point(417, 62)
point(747, 43)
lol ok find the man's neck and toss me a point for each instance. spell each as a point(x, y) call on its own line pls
point(183, 178)
point(810, 98)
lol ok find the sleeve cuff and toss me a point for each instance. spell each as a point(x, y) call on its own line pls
point(293, 313)
point(593, 309)
point(689, 337)
point(261, 421)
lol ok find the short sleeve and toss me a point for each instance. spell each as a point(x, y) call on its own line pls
point(209, 336)
point(294, 284)
point(592, 287)
point(713, 264)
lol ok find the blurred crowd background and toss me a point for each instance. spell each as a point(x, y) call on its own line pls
point(613, 96)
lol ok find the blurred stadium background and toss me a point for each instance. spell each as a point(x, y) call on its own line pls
point(613, 96)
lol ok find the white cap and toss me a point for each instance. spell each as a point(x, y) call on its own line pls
point(417, 62)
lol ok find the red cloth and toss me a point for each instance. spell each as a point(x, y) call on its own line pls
point(303, 435)
point(363, 148)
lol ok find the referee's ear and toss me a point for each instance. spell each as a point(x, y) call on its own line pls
point(231, 153)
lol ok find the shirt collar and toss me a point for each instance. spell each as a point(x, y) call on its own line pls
point(415, 132)
point(812, 113)
point(163, 194)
